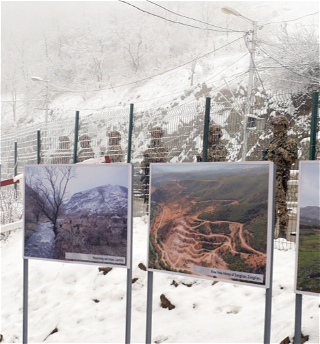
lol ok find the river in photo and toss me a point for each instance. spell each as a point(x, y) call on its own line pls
point(41, 243)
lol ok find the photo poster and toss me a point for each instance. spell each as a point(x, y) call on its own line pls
point(307, 274)
point(212, 220)
point(78, 213)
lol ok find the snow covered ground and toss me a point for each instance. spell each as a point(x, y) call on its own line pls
point(81, 305)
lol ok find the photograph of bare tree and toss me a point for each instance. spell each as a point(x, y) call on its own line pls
point(78, 213)
point(308, 232)
point(211, 220)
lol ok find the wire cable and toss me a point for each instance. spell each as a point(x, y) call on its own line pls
point(291, 80)
point(258, 75)
point(27, 100)
point(228, 66)
point(143, 101)
point(172, 21)
point(210, 79)
point(153, 76)
point(287, 21)
point(179, 91)
point(197, 20)
point(290, 70)
point(134, 82)
point(278, 67)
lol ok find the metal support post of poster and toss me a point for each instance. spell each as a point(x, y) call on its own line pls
point(268, 301)
point(297, 319)
point(129, 271)
point(76, 133)
point(206, 130)
point(314, 122)
point(149, 307)
point(25, 301)
point(312, 156)
point(26, 268)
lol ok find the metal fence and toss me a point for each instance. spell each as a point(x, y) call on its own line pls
point(183, 127)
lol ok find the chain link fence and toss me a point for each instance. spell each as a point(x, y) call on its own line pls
point(183, 137)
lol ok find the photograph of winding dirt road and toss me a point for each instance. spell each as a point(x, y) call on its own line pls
point(210, 219)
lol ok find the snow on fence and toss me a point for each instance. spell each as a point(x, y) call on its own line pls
point(183, 135)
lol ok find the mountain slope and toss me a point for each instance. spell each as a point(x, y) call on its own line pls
point(310, 214)
point(102, 199)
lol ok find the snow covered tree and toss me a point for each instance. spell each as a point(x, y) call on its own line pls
point(290, 60)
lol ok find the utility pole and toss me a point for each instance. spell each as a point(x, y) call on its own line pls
point(252, 50)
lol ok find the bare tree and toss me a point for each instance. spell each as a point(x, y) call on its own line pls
point(50, 191)
point(290, 60)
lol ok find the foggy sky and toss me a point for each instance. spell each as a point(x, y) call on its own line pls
point(89, 177)
point(31, 19)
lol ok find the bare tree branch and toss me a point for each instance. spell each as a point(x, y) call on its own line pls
point(50, 190)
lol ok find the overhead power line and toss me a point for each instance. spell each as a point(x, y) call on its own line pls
point(290, 70)
point(181, 90)
point(153, 76)
point(205, 82)
point(258, 75)
point(281, 66)
point(197, 20)
point(290, 80)
point(287, 21)
point(175, 22)
point(228, 67)
point(26, 101)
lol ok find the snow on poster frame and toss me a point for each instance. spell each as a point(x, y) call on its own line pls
point(195, 226)
point(78, 213)
point(307, 267)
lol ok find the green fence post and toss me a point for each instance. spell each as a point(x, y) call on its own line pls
point(129, 271)
point(15, 169)
point(38, 147)
point(314, 122)
point(76, 134)
point(206, 130)
point(130, 133)
point(15, 158)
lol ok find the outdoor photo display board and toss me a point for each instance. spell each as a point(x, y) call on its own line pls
point(307, 279)
point(212, 220)
point(78, 213)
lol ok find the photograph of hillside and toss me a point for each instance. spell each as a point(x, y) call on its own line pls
point(210, 219)
point(308, 252)
point(77, 213)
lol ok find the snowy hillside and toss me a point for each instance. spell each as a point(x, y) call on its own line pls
point(71, 303)
point(79, 303)
point(95, 64)
point(107, 198)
